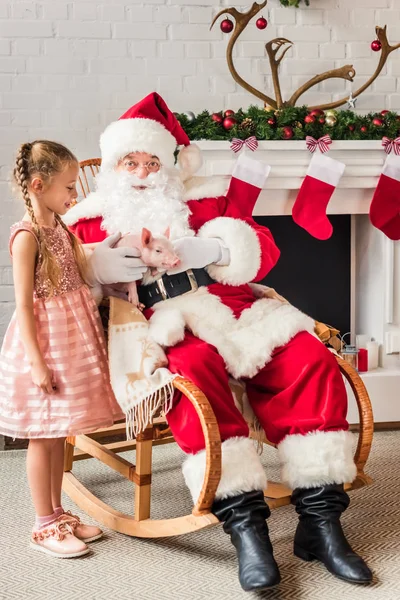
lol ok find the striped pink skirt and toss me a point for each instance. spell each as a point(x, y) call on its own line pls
point(71, 338)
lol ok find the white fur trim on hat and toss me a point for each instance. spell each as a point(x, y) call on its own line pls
point(241, 470)
point(136, 135)
point(190, 160)
point(317, 458)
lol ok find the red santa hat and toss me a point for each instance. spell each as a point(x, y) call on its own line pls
point(149, 126)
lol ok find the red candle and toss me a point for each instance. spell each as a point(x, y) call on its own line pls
point(362, 360)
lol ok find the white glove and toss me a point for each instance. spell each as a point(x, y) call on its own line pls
point(196, 253)
point(116, 265)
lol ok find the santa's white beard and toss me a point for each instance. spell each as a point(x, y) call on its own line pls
point(157, 207)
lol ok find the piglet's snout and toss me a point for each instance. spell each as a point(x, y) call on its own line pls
point(172, 262)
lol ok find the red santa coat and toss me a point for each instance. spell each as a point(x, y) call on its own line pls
point(225, 314)
point(293, 383)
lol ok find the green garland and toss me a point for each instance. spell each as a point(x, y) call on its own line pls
point(293, 2)
point(254, 121)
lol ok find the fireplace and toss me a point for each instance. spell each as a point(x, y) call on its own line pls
point(350, 281)
point(313, 275)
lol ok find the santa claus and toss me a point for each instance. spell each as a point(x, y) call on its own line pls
point(293, 383)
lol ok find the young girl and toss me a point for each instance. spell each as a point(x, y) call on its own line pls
point(53, 365)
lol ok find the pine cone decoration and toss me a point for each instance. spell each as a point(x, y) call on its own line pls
point(248, 126)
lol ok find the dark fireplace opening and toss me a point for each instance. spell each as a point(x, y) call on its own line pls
point(313, 275)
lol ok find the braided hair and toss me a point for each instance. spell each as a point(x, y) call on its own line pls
point(45, 159)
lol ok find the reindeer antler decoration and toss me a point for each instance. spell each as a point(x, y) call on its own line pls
point(241, 21)
point(274, 46)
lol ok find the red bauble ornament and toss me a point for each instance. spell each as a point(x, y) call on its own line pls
point(377, 122)
point(363, 129)
point(376, 45)
point(352, 127)
point(226, 26)
point(317, 112)
point(261, 23)
point(217, 118)
point(229, 113)
point(229, 122)
point(321, 120)
point(384, 112)
point(271, 121)
point(287, 133)
point(309, 119)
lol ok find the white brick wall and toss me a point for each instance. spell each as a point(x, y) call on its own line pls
point(68, 68)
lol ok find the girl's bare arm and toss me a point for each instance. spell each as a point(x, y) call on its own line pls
point(24, 251)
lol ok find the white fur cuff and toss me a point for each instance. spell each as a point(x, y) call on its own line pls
point(136, 135)
point(318, 458)
point(242, 470)
point(244, 247)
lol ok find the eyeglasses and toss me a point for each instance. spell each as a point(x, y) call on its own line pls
point(153, 166)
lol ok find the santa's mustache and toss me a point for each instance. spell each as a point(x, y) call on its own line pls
point(152, 180)
point(123, 180)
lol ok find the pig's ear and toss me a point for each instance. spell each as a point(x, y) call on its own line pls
point(146, 237)
point(167, 233)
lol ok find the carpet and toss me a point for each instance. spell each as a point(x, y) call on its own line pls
point(197, 566)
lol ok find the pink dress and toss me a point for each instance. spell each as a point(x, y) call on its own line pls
point(71, 338)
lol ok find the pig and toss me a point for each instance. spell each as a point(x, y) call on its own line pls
point(156, 251)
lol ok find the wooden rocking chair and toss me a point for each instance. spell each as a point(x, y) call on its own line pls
point(140, 524)
point(89, 169)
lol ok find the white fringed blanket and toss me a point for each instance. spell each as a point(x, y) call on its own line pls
point(141, 382)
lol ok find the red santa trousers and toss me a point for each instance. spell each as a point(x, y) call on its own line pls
point(300, 401)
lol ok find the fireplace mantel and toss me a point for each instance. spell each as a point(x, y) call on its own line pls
point(289, 161)
point(375, 260)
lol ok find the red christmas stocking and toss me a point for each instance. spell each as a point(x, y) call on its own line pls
point(248, 178)
point(309, 210)
point(384, 211)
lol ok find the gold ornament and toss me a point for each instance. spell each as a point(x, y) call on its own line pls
point(331, 120)
point(331, 113)
point(299, 125)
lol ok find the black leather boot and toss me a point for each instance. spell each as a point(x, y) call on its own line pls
point(320, 536)
point(243, 517)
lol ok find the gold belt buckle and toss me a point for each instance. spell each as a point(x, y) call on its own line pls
point(162, 289)
point(193, 285)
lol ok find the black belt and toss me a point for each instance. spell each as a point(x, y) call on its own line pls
point(170, 286)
